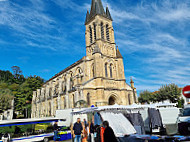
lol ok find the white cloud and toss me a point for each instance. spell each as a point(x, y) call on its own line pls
point(156, 40)
point(153, 36)
point(32, 25)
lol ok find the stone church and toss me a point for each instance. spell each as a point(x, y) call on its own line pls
point(97, 79)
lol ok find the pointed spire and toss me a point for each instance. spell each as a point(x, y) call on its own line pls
point(132, 80)
point(87, 16)
point(93, 8)
point(118, 54)
point(108, 13)
point(98, 9)
point(132, 83)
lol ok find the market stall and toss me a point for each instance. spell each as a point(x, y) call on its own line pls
point(135, 121)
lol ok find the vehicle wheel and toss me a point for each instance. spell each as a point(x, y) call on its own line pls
point(46, 140)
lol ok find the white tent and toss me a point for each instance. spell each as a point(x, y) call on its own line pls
point(120, 125)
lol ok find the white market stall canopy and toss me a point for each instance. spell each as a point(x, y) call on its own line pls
point(27, 121)
point(122, 107)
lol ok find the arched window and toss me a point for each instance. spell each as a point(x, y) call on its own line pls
point(111, 73)
point(73, 100)
point(107, 33)
point(44, 93)
point(71, 82)
point(90, 34)
point(56, 104)
point(106, 69)
point(93, 70)
point(65, 85)
point(80, 74)
point(102, 30)
point(94, 31)
point(50, 91)
point(49, 108)
point(88, 99)
point(79, 71)
point(65, 105)
point(129, 99)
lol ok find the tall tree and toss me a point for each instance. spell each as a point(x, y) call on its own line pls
point(25, 92)
point(16, 70)
point(18, 77)
point(6, 76)
point(5, 99)
point(16, 86)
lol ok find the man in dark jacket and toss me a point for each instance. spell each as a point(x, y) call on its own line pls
point(109, 135)
point(77, 128)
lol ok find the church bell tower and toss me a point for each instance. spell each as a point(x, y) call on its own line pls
point(99, 30)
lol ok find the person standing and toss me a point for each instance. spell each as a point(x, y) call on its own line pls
point(55, 127)
point(109, 135)
point(85, 124)
point(85, 134)
point(6, 137)
point(77, 128)
point(92, 129)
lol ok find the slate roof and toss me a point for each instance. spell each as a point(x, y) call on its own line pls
point(97, 9)
point(118, 54)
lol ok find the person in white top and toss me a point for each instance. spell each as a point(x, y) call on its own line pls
point(6, 137)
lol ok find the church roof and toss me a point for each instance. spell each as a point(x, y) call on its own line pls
point(66, 69)
point(97, 9)
point(108, 14)
point(87, 16)
point(118, 54)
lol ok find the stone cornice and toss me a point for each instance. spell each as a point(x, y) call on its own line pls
point(109, 89)
point(104, 79)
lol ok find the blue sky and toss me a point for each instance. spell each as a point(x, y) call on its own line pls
point(45, 36)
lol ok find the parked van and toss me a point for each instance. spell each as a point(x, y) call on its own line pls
point(184, 121)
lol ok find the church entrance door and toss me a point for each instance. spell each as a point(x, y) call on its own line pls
point(112, 100)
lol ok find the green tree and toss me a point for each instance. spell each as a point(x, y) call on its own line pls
point(16, 86)
point(25, 92)
point(169, 92)
point(145, 97)
point(6, 76)
point(5, 99)
point(17, 73)
point(16, 70)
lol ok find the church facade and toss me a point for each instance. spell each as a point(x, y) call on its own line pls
point(97, 79)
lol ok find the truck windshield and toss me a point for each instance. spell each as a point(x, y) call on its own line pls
point(186, 112)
